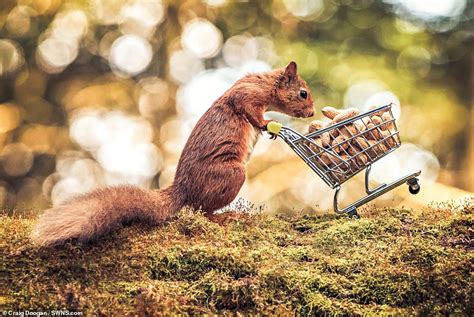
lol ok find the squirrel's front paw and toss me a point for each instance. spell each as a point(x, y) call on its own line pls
point(273, 135)
point(265, 123)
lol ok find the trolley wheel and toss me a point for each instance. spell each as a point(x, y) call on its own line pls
point(353, 214)
point(413, 186)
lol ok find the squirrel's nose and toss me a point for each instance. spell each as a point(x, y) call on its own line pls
point(311, 113)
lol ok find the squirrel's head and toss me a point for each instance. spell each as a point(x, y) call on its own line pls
point(292, 94)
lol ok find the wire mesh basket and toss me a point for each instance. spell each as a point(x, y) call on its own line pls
point(338, 152)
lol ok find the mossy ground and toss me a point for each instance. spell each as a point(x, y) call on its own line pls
point(391, 261)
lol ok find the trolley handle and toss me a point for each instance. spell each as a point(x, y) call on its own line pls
point(274, 127)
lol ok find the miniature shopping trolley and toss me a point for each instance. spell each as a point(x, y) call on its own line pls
point(364, 140)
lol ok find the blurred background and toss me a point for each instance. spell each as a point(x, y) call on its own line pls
point(106, 92)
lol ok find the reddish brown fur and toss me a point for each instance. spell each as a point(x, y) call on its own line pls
point(211, 169)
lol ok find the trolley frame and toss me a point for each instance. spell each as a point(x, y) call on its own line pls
point(345, 166)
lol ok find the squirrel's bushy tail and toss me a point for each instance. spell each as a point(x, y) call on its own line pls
point(89, 216)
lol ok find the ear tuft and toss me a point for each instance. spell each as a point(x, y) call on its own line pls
point(290, 71)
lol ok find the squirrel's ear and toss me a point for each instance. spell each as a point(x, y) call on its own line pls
point(290, 71)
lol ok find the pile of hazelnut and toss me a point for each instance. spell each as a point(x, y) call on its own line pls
point(354, 144)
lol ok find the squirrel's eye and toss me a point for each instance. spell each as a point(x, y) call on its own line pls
point(303, 94)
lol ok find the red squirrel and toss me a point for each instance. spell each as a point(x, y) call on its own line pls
point(210, 172)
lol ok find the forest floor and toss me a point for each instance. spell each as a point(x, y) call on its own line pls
point(391, 261)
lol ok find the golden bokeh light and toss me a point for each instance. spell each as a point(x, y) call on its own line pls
point(130, 55)
point(107, 12)
point(304, 9)
point(10, 117)
point(19, 21)
point(16, 159)
point(201, 38)
point(106, 92)
point(41, 6)
point(154, 96)
point(11, 57)
point(43, 139)
point(414, 61)
point(184, 65)
point(54, 55)
point(141, 17)
point(70, 25)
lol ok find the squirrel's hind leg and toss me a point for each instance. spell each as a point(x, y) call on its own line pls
point(227, 181)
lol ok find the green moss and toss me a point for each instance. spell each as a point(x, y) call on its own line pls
point(219, 291)
point(390, 287)
point(192, 264)
point(390, 262)
point(419, 252)
point(311, 223)
point(195, 224)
